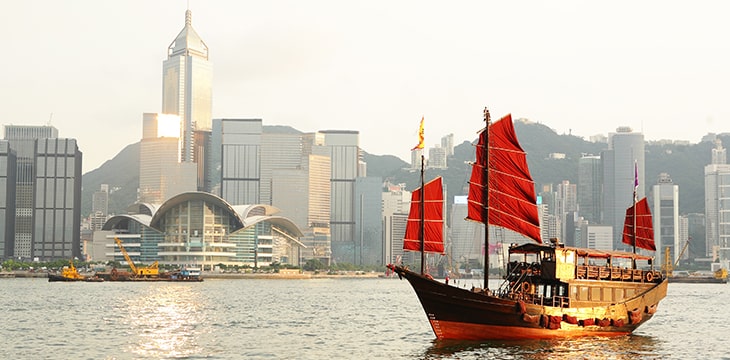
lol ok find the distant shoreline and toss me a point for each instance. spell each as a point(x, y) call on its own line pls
point(224, 276)
point(306, 275)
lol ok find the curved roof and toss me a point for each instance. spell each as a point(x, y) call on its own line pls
point(280, 221)
point(118, 219)
point(244, 215)
point(142, 208)
point(193, 195)
point(244, 210)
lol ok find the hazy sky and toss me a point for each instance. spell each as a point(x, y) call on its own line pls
point(660, 67)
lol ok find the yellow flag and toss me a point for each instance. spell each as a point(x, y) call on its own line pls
point(420, 137)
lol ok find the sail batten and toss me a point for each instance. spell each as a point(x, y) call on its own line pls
point(508, 198)
point(433, 219)
point(644, 231)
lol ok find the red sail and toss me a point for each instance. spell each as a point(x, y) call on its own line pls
point(433, 219)
point(510, 198)
point(644, 228)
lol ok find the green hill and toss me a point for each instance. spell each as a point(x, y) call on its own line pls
point(684, 163)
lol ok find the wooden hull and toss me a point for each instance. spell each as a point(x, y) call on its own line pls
point(462, 314)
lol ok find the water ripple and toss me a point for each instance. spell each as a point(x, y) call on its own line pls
point(306, 319)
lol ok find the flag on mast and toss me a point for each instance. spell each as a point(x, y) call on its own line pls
point(636, 180)
point(420, 137)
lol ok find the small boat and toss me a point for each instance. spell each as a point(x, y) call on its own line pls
point(550, 290)
point(184, 274)
point(70, 273)
point(718, 277)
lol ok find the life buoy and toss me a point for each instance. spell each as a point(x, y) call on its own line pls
point(649, 276)
point(525, 287)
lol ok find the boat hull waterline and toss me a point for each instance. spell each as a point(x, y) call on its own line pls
point(461, 314)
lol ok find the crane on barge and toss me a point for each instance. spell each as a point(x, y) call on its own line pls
point(142, 271)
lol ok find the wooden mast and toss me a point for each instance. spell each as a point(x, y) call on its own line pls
point(485, 188)
point(421, 207)
point(636, 187)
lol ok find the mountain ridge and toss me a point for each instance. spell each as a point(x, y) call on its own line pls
point(684, 163)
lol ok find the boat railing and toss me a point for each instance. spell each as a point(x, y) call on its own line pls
point(615, 273)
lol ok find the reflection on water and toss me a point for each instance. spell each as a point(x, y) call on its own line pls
point(307, 319)
point(165, 322)
point(623, 347)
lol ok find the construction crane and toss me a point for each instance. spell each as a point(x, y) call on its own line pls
point(668, 266)
point(146, 271)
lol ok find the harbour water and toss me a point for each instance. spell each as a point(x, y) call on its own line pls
point(308, 319)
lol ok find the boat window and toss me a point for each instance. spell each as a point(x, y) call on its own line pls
point(546, 291)
point(583, 293)
point(608, 294)
point(618, 294)
point(561, 290)
point(595, 294)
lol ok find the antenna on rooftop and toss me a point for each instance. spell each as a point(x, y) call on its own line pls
point(49, 120)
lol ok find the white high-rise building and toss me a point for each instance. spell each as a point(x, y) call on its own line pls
point(396, 204)
point(161, 173)
point(665, 213)
point(187, 86)
point(597, 236)
point(447, 142)
point(717, 203)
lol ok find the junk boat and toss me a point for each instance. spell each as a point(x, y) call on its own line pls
point(550, 290)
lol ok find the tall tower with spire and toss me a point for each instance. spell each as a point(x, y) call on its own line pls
point(187, 88)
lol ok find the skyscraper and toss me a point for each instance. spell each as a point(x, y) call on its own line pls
point(237, 148)
point(396, 202)
point(717, 198)
point(344, 151)
point(625, 148)
point(99, 208)
point(589, 188)
point(8, 168)
point(187, 83)
point(369, 245)
point(566, 206)
point(161, 173)
point(665, 211)
point(447, 142)
point(281, 148)
point(48, 193)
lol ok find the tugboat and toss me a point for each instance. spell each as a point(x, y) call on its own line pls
point(71, 274)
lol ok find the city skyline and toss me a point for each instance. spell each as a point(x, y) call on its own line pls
point(327, 65)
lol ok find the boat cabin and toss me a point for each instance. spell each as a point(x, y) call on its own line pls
point(557, 275)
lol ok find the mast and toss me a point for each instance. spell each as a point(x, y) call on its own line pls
point(485, 209)
point(636, 186)
point(422, 206)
